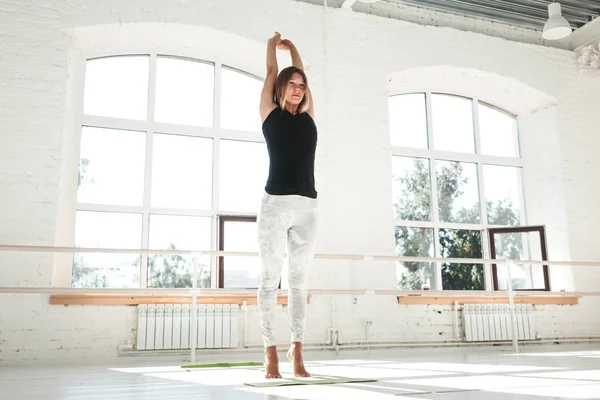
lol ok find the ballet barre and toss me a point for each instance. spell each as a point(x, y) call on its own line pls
point(194, 292)
point(350, 257)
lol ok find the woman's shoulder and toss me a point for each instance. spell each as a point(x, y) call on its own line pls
point(310, 117)
point(272, 115)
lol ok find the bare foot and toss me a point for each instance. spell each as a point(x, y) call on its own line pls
point(294, 355)
point(271, 363)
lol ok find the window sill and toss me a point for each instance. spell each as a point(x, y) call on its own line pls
point(132, 300)
point(449, 300)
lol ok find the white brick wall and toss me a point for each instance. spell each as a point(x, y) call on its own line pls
point(353, 161)
point(583, 320)
point(31, 328)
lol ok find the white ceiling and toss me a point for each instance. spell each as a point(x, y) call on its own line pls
point(519, 20)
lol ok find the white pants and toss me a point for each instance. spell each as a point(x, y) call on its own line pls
point(287, 219)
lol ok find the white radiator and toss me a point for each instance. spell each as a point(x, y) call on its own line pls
point(169, 326)
point(493, 322)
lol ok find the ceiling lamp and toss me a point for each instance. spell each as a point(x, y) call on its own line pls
point(557, 27)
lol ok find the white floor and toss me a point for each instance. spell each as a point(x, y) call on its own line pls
point(538, 372)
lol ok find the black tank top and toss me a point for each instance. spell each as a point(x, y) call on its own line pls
point(291, 142)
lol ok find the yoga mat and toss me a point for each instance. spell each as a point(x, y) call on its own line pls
point(225, 365)
point(315, 380)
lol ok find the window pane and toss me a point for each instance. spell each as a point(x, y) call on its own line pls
point(111, 167)
point(415, 242)
point(243, 174)
point(452, 123)
point(172, 232)
point(458, 243)
point(113, 231)
point(240, 100)
point(503, 190)
point(519, 246)
point(408, 120)
point(241, 272)
point(498, 132)
point(184, 92)
point(411, 188)
point(117, 87)
point(458, 192)
point(182, 172)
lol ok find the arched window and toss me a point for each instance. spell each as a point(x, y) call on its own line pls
point(168, 149)
point(457, 171)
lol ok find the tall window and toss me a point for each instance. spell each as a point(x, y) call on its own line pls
point(169, 145)
point(457, 170)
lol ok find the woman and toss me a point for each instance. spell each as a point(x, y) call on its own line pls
point(288, 213)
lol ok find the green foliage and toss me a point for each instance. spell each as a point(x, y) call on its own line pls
point(164, 271)
point(175, 271)
point(415, 204)
point(461, 243)
point(101, 276)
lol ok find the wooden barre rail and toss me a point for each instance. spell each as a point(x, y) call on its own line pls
point(134, 299)
point(188, 292)
point(58, 249)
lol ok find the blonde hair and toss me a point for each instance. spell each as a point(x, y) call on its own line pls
point(281, 85)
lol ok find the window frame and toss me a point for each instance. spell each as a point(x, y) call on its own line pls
point(431, 154)
point(76, 119)
point(541, 230)
point(223, 219)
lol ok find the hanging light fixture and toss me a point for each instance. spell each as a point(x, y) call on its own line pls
point(557, 27)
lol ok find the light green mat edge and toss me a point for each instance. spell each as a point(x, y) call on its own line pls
point(225, 365)
point(320, 381)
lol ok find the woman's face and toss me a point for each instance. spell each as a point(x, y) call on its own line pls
point(295, 89)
